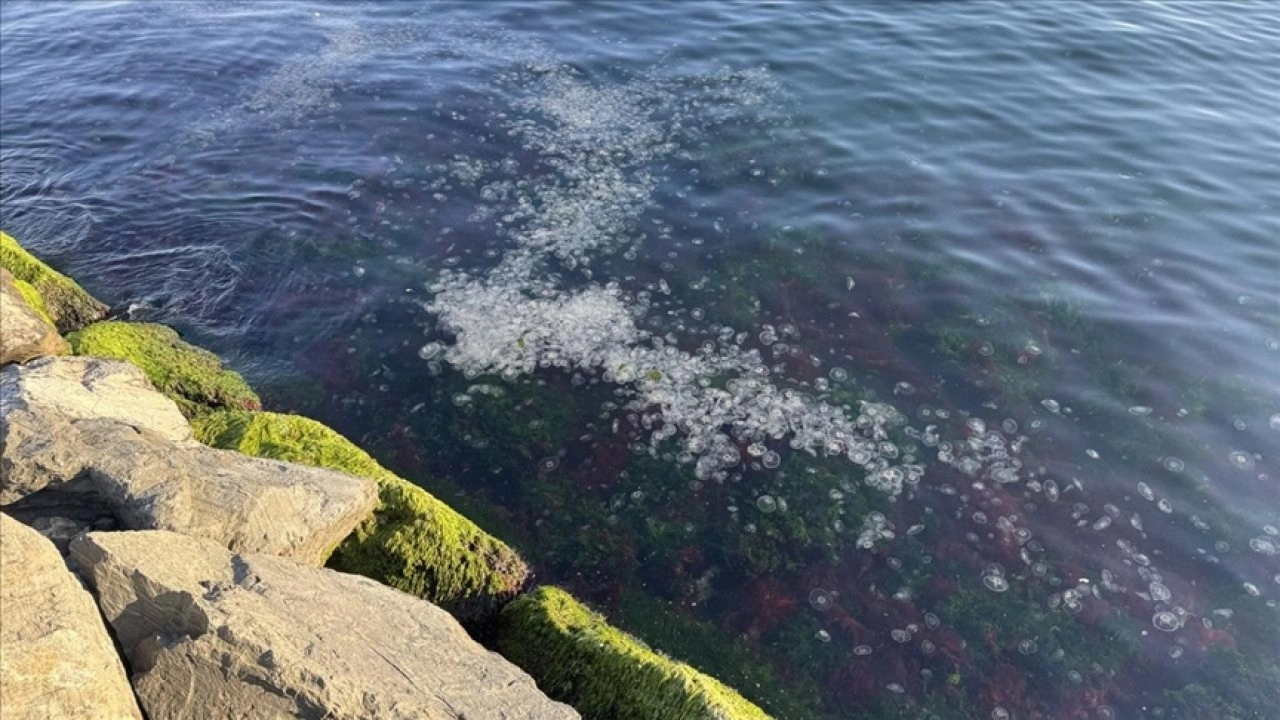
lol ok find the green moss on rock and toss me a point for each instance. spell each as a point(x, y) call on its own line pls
point(34, 300)
point(578, 658)
point(413, 542)
point(64, 302)
point(193, 377)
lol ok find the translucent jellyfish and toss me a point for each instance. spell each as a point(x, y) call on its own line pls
point(1145, 491)
point(839, 374)
point(1092, 453)
point(895, 688)
point(1102, 523)
point(771, 460)
point(862, 650)
point(1252, 589)
point(548, 464)
point(899, 635)
point(1275, 421)
point(999, 713)
point(1159, 592)
point(1165, 621)
point(1164, 505)
point(1176, 651)
point(931, 621)
point(821, 600)
point(430, 350)
point(995, 583)
point(1051, 405)
point(1241, 459)
point(1140, 410)
point(928, 647)
point(823, 636)
point(766, 503)
point(1027, 646)
point(1173, 464)
point(1051, 490)
point(986, 349)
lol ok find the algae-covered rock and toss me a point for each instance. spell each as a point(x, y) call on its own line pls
point(413, 542)
point(193, 377)
point(65, 303)
point(26, 331)
point(578, 658)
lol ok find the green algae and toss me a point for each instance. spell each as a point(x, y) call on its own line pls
point(61, 300)
point(34, 300)
point(193, 377)
point(577, 657)
point(285, 437)
point(417, 544)
point(413, 542)
point(729, 658)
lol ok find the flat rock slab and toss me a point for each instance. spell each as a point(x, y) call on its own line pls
point(38, 400)
point(243, 503)
point(56, 659)
point(86, 434)
point(24, 334)
point(214, 634)
point(90, 388)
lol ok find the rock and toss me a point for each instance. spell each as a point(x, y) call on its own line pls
point(579, 658)
point(83, 388)
point(192, 377)
point(250, 636)
point(148, 482)
point(73, 447)
point(25, 331)
point(413, 542)
point(58, 530)
point(56, 659)
point(67, 304)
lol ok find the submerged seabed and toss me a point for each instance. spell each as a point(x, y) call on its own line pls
point(640, 316)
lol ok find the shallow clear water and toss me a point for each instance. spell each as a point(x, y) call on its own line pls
point(617, 281)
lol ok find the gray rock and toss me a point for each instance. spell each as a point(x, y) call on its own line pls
point(24, 334)
point(89, 388)
point(83, 437)
point(147, 482)
point(38, 400)
point(56, 659)
point(220, 635)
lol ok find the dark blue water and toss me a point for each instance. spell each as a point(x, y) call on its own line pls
point(617, 279)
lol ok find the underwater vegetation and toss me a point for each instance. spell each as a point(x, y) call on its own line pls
point(976, 592)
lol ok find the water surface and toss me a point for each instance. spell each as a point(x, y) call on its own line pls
point(884, 360)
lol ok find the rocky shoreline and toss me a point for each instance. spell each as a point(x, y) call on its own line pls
point(256, 564)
